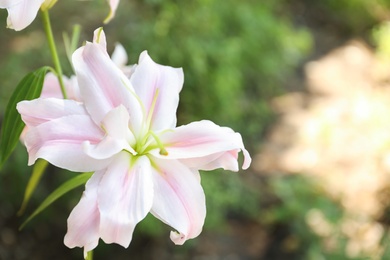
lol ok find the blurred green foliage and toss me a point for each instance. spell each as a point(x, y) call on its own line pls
point(236, 56)
point(381, 39)
point(298, 196)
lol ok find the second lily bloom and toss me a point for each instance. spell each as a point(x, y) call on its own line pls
point(21, 13)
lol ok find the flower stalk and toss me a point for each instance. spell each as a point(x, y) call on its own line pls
point(89, 255)
point(53, 50)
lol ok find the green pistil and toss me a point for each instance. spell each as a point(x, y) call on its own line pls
point(145, 144)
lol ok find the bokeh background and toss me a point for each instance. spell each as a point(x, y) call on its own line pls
point(307, 83)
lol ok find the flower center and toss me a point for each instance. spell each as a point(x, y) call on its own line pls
point(150, 140)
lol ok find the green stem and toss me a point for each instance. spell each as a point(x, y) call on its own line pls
point(89, 255)
point(53, 50)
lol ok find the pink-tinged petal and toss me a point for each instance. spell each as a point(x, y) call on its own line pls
point(103, 86)
point(224, 160)
point(105, 149)
point(179, 200)
point(119, 56)
point(21, 13)
point(51, 87)
point(99, 37)
point(150, 81)
point(118, 136)
point(84, 220)
point(41, 110)
point(205, 144)
point(72, 88)
point(113, 6)
point(125, 197)
point(60, 141)
point(116, 124)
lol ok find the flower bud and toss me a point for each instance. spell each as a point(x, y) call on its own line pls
point(48, 4)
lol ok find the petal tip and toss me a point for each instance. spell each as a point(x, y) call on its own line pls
point(178, 238)
point(247, 159)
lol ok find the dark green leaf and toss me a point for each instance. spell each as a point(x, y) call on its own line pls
point(29, 88)
point(63, 189)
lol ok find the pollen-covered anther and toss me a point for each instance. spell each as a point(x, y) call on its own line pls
point(163, 151)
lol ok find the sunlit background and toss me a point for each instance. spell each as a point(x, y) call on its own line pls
point(307, 84)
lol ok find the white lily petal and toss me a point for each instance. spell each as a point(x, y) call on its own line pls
point(105, 149)
point(41, 110)
point(224, 160)
point(203, 142)
point(84, 220)
point(119, 55)
point(103, 86)
point(179, 200)
point(150, 81)
point(60, 142)
point(51, 87)
point(56, 131)
point(116, 124)
point(99, 37)
point(125, 197)
point(118, 136)
point(21, 13)
point(113, 6)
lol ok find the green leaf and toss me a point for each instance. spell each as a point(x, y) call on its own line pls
point(63, 189)
point(71, 44)
point(30, 87)
point(38, 170)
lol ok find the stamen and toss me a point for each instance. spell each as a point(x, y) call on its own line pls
point(163, 151)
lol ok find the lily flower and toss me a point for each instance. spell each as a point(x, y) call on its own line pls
point(21, 13)
point(125, 132)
